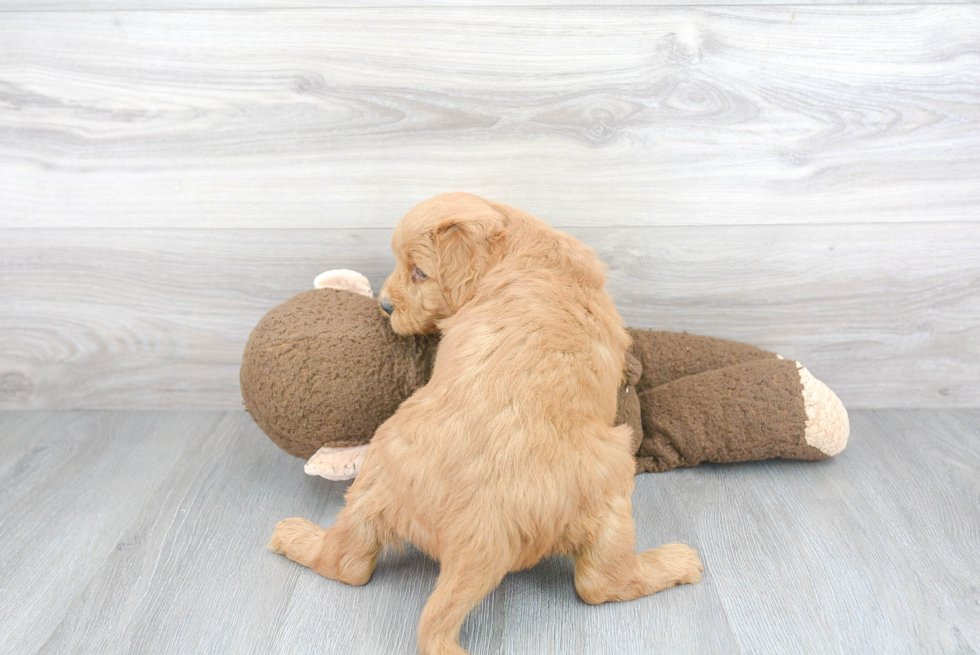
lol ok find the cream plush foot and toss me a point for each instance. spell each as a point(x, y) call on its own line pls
point(827, 426)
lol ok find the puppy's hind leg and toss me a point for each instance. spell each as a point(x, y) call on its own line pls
point(609, 569)
point(348, 551)
point(463, 582)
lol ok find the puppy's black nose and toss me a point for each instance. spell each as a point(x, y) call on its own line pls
point(387, 306)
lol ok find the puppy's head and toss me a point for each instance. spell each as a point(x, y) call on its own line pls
point(443, 247)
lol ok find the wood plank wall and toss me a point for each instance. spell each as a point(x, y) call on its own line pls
point(802, 177)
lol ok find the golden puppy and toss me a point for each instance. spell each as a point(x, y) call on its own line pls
point(508, 454)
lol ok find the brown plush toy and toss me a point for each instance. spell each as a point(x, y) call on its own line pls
point(323, 370)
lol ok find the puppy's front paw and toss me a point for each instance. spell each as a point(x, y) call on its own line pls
point(679, 561)
point(298, 539)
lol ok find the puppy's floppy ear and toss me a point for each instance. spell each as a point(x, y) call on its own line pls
point(466, 248)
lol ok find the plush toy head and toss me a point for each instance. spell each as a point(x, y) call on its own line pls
point(324, 369)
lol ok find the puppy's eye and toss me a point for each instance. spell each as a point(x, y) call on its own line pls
point(418, 275)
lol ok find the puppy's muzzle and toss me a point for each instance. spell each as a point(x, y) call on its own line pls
point(387, 306)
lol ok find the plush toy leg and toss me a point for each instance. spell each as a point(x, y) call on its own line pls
point(610, 570)
point(757, 410)
point(668, 356)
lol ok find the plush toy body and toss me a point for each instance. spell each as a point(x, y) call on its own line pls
point(323, 370)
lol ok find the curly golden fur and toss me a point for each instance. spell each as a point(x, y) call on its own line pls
point(508, 454)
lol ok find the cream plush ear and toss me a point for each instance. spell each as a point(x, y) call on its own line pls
point(345, 280)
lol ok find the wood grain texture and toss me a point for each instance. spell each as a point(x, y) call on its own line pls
point(193, 560)
point(586, 116)
point(158, 5)
point(120, 319)
point(190, 573)
point(869, 552)
point(70, 485)
point(654, 624)
point(157, 521)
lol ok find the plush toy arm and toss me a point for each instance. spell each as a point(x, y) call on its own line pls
point(756, 410)
point(339, 463)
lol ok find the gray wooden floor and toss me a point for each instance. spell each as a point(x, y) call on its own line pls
point(145, 532)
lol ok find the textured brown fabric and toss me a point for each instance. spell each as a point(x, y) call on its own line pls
point(305, 364)
point(324, 368)
point(745, 412)
point(667, 356)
